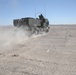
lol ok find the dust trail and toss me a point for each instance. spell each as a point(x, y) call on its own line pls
point(35, 36)
point(10, 36)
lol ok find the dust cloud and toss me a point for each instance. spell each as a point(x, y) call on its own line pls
point(12, 36)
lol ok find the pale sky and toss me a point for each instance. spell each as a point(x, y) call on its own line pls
point(57, 11)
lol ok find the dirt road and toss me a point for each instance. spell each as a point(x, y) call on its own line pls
point(53, 53)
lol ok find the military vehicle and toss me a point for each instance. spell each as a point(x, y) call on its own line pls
point(34, 25)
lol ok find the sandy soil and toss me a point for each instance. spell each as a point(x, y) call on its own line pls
point(53, 53)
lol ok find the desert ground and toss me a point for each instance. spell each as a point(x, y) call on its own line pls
point(52, 53)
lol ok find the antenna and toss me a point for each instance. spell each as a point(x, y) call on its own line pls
point(40, 12)
point(44, 10)
point(35, 11)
